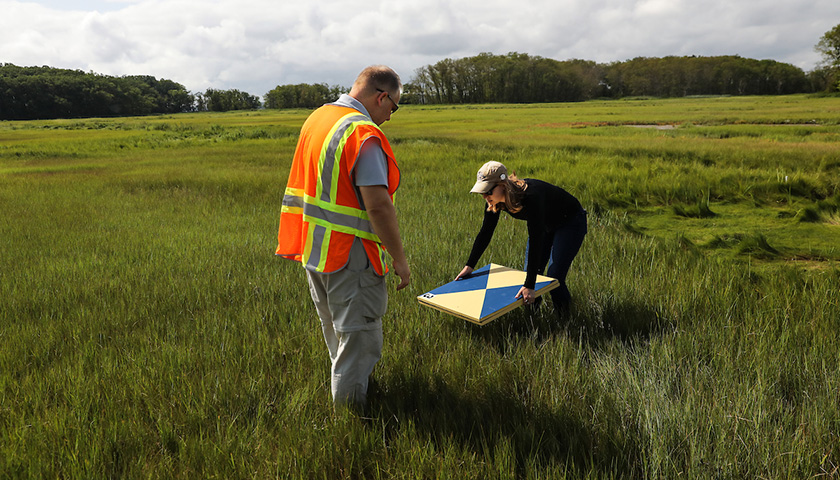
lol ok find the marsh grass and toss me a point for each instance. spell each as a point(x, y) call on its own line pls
point(146, 330)
point(701, 210)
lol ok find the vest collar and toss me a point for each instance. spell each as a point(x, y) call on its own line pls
point(346, 100)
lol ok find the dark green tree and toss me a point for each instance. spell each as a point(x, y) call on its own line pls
point(829, 48)
point(302, 95)
point(215, 100)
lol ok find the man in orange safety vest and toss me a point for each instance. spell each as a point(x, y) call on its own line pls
point(338, 220)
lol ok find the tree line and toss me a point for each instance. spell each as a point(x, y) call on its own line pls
point(31, 93)
point(28, 93)
point(521, 78)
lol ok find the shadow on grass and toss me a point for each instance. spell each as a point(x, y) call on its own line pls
point(521, 325)
point(497, 424)
point(624, 320)
point(592, 323)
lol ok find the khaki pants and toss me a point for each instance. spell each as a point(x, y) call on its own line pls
point(350, 304)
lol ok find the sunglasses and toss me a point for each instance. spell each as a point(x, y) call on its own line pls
point(396, 107)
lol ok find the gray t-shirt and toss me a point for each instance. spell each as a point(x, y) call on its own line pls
point(371, 166)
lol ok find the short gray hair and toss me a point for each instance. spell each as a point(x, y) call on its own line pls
point(379, 77)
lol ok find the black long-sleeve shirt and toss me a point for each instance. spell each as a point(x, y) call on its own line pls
point(545, 208)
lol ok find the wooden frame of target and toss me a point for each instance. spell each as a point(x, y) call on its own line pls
point(485, 295)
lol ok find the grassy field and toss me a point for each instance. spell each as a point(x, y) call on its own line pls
point(148, 331)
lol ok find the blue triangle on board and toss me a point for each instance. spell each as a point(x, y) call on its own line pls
point(497, 298)
point(476, 281)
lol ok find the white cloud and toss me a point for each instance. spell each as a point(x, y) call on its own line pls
point(254, 45)
point(653, 8)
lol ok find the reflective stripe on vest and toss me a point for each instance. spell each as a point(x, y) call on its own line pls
point(339, 218)
point(292, 201)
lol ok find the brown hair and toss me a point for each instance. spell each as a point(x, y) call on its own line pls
point(514, 191)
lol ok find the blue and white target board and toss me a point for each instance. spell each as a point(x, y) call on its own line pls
point(485, 295)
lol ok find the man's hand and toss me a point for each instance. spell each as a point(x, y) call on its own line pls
point(383, 219)
point(404, 272)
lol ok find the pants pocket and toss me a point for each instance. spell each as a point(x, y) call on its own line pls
point(372, 299)
point(359, 301)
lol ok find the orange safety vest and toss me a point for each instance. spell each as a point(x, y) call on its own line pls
point(321, 214)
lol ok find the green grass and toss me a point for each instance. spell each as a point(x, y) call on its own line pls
point(148, 331)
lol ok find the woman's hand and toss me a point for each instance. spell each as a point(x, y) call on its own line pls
point(464, 273)
point(527, 295)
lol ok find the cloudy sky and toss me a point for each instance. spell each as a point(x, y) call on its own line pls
point(255, 45)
